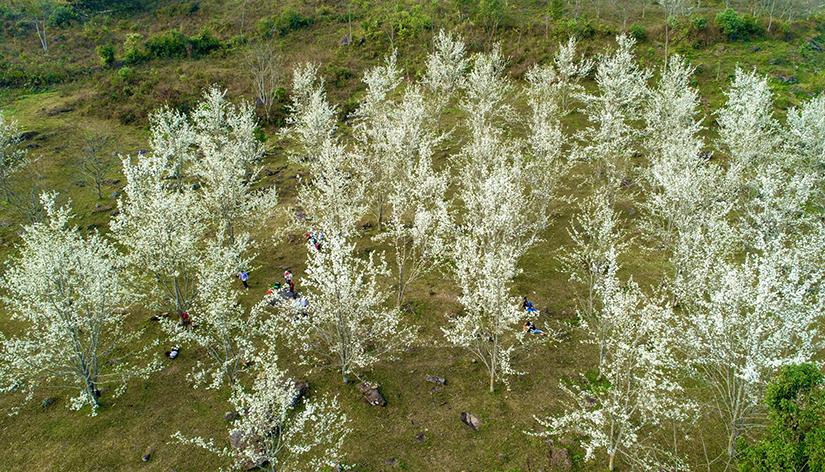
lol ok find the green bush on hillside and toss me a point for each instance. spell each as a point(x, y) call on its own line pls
point(204, 43)
point(133, 48)
point(289, 20)
point(106, 54)
point(172, 43)
point(737, 27)
point(62, 15)
point(795, 438)
point(638, 32)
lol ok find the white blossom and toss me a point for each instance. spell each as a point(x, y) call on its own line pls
point(69, 294)
point(277, 429)
point(619, 412)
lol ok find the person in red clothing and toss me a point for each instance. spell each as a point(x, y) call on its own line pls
point(184, 318)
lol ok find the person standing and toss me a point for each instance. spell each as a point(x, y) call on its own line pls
point(289, 281)
point(244, 276)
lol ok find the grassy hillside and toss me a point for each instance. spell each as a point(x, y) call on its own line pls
point(59, 95)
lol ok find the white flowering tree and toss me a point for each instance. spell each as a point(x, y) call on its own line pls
point(417, 217)
point(805, 134)
point(447, 64)
point(68, 292)
point(12, 155)
point(346, 323)
point(747, 129)
point(565, 74)
point(227, 164)
point(311, 119)
point(597, 238)
point(611, 138)
point(162, 228)
point(683, 188)
point(748, 318)
point(618, 414)
point(278, 429)
point(221, 329)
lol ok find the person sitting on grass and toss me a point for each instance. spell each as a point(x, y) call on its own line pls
point(529, 327)
point(527, 305)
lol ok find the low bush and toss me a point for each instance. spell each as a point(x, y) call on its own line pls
point(638, 32)
point(62, 15)
point(106, 54)
point(737, 27)
point(288, 20)
point(172, 43)
point(204, 43)
point(133, 48)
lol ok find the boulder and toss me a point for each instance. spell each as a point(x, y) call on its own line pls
point(236, 439)
point(436, 380)
point(471, 420)
point(102, 208)
point(230, 415)
point(420, 437)
point(371, 394)
point(558, 458)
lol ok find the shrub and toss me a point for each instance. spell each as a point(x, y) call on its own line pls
point(555, 9)
point(407, 23)
point(172, 43)
point(125, 73)
point(581, 28)
point(699, 23)
point(795, 437)
point(62, 15)
point(204, 43)
point(106, 54)
point(638, 32)
point(133, 48)
point(735, 26)
point(289, 20)
point(491, 12)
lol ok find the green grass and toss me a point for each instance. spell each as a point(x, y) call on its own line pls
point(58, 439)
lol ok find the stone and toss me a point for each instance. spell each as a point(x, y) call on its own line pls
point(147, 454)
point(392, 461)
point(436, 380)
point(102, 208)
point(230, 415)
point(58, 110)
point(420, 437)
point(558, 458)
point(787, 79)
point(346, 41)
point(471, 420)
point(371, 394)
point(47, 402)
point(115, 195)
point(28, 135)
point(196, 186)
point(236, 439)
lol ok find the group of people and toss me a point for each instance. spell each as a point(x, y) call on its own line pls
point(531, 311)
point(314, 238)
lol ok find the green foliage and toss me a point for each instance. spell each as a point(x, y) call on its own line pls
point(699, 23)
point(125, 74)
point(638, 32)
point(491, 12)
point(795, 438)
point(171, 43)
point(204, 43)
point(555, 9)
point(62, 15)
point(289, 20)
point(106, 54)
point(579, 27)
point(174, 44)
point(408, 22)
point(133, 48)
point(737, 27)
point(180, 9)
